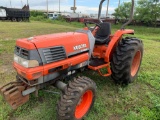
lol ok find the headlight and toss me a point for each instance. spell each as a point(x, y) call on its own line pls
point(16, 58)
point(25, 63)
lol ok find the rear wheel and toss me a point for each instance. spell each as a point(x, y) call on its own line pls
point(13, 19)
point(77, 99)
point(126, 60)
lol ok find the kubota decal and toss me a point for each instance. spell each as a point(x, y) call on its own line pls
point(78, 47)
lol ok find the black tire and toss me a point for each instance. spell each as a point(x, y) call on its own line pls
point(19, 19)
point(72, 99)
point(13, 19)
point(126, 60)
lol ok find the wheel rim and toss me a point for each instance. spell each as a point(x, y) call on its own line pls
point(84, 104)
point(135, 63)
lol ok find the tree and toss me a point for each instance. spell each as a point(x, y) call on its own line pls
point(148, 11)
point(155, 5)
point(123, 11)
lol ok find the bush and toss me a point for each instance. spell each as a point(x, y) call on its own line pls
point(37, 18)
point(35, 13)
point(61, 18)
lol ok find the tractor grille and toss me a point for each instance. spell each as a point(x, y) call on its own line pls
point(22, 52)
point(54, 54)
point(17, 50)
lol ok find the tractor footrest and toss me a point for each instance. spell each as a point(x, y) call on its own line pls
point(97, 62)
point(12, 93)
point(98, 68)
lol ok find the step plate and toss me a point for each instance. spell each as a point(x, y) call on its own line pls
point(12, 93)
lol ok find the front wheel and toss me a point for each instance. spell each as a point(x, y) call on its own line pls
point(126, 60)
point(77, 99)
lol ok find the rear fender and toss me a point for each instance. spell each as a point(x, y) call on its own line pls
point(113, 43)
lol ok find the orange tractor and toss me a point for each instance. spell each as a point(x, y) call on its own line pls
point(49, 59)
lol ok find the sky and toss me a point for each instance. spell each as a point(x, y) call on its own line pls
point(83, 6)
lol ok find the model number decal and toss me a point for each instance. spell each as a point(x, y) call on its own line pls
point(78, 47)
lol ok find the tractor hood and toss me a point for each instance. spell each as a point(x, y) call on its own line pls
point(71, 41)
point(55, 47)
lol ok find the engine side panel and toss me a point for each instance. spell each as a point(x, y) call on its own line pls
point(91, 39)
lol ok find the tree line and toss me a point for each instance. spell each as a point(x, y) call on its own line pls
point(146, 12)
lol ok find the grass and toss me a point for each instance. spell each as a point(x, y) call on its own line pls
point(138, 101)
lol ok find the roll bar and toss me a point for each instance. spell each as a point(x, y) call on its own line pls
point(131, 16)
point(131, 13)
point(100, 9)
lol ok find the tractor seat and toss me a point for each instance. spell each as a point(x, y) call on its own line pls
point(102, 35)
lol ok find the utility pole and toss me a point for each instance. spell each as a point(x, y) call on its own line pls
point(22, 3)
point(47, 8)
point(59, 6)
point(107, 8)
point(27, 2)
point(74, 10)
point(10, 4)
point(119, 3)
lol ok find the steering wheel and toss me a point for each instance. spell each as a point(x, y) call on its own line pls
point(89, 22)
